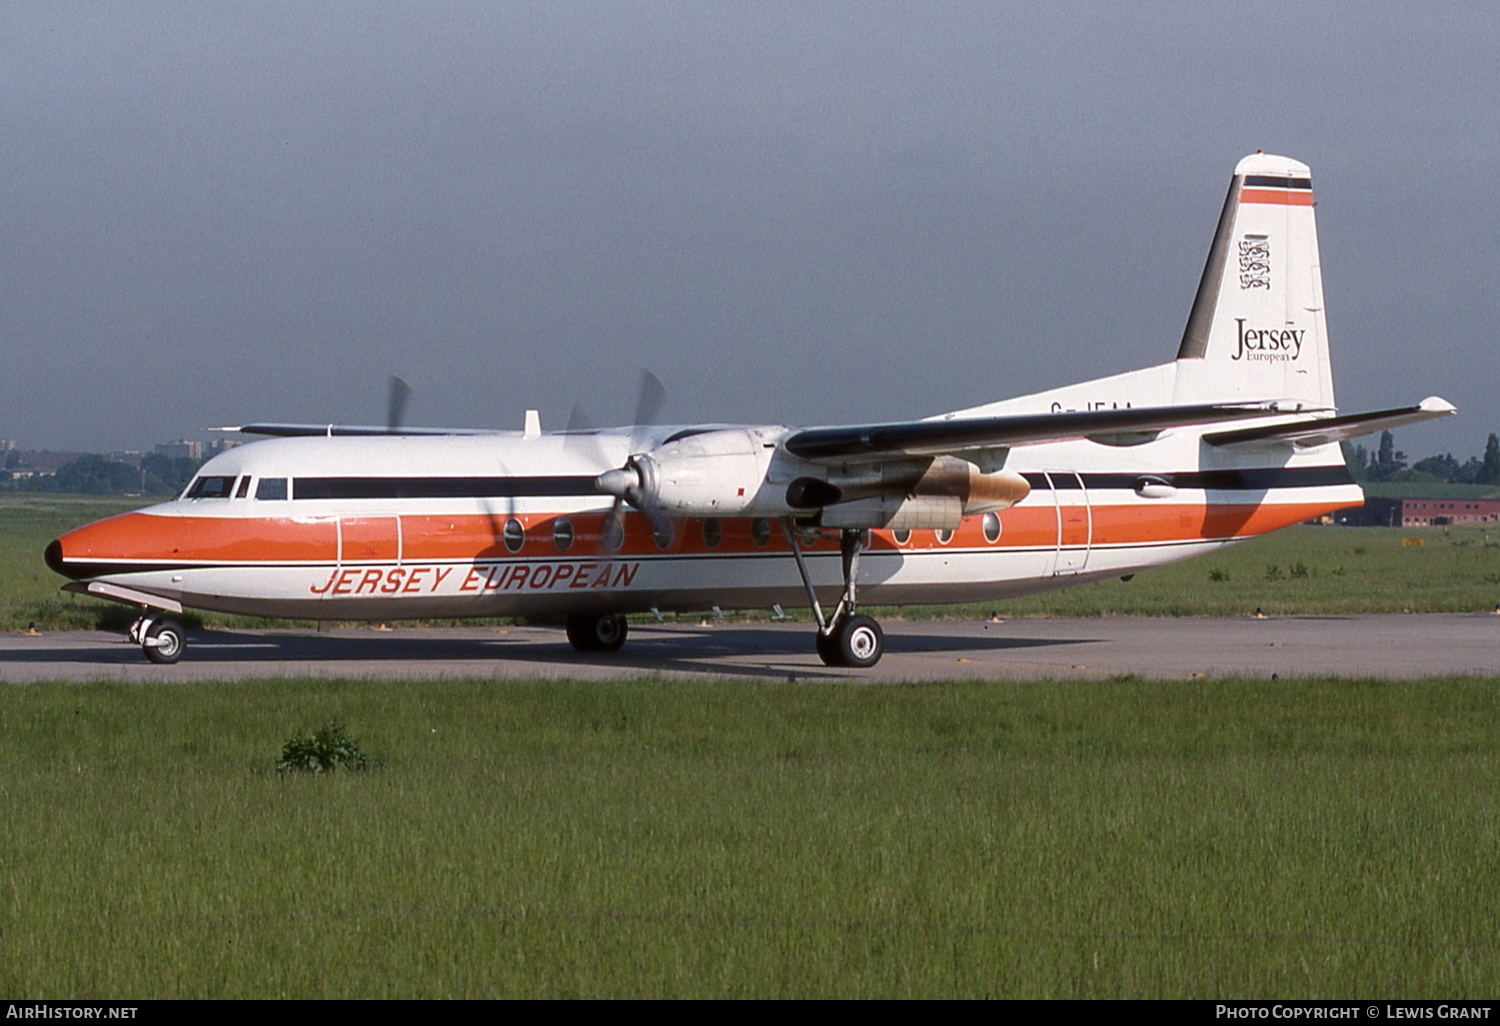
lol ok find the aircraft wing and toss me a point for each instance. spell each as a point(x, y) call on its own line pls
point(937, 437)
point(341, 430)
point(1312, 431)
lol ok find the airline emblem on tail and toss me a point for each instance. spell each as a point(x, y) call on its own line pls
point(1255, 262)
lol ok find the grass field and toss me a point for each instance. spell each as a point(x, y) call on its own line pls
point(1118, 838)
point(1423, 490)
point(1299, 570)
point(28, 590)
point(1302, 570)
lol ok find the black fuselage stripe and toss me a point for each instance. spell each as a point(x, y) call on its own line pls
point(442, 487)
point(1254, 479)
point(311, 488)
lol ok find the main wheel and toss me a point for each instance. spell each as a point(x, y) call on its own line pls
point(597, 633)
point(861, 642)
point(164, 642)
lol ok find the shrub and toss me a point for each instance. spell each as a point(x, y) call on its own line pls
point(329, 748)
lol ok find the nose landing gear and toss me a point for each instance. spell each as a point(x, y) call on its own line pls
point(161, 639)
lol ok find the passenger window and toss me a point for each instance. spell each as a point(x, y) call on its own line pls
point(991, 528)
point(713, 532)
point(562, 534)
point(661, 530)
point(272, 488)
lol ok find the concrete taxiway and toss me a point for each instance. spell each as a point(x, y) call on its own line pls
point(1354, 646)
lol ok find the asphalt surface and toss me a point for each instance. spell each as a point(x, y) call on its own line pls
point(1354, 646)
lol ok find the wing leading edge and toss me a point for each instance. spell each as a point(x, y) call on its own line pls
point(343, 430)
point(937, 437)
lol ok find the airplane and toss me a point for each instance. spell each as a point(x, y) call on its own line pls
point(1237, 436)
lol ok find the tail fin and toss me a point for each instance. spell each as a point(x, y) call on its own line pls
point(1257, 329)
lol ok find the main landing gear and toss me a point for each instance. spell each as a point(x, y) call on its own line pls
point(162, 639)
point(846, 638)
point(597, 633)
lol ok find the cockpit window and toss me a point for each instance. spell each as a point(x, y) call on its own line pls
point(211, 488)
point(271, 488)
point(244, 488)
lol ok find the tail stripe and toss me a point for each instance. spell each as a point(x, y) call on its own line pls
point(1277, 182)
point(1277, 196)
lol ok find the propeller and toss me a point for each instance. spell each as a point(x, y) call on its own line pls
point(650, 395)
point(395, 409)
point(648, 402)
point(635, 482)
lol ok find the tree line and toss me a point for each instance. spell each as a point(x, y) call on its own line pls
point(1387, 463)
point(93, 474)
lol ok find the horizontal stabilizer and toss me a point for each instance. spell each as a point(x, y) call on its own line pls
point(937, 437)
point(1314, 431)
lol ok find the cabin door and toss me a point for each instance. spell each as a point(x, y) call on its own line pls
point(1075, 521)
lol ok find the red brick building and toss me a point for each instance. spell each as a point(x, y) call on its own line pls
point(1422, 512)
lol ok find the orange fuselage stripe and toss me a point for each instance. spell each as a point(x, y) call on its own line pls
point(142, 537)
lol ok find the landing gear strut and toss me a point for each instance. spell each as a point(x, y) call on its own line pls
point(846, 638)
point(161, 639)
point(597, 633)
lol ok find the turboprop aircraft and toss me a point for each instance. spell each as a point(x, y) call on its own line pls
point(1235, 437)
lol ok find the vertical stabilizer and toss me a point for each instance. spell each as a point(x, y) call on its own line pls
point(1257, 330)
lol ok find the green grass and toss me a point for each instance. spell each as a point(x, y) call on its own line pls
point(1119, 838)
point(28, 590)
point(1298, 570)
point(1420, 490)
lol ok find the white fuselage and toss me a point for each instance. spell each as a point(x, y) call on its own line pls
point(381, 528)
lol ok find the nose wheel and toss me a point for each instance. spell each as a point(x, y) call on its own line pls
point(847, 638)
point(161, 639)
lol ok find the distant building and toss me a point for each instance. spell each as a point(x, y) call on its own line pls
point(219, 445)
point(182, 448)
point(7, 444)
point(1421, 512)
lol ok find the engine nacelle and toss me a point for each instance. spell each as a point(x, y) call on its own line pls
point(728, 472)
point(890, 482)
point(707, 474)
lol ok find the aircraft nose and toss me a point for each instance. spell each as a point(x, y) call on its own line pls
point(54, 557)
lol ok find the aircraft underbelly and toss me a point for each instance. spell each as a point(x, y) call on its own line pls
point(381, 591)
